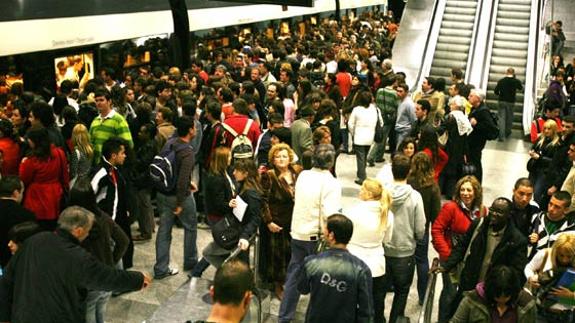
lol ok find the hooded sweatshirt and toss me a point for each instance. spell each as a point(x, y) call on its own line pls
point(409, 221)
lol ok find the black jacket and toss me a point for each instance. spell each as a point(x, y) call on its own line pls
point(105, 230)
point(522, 218)
point(217, 196)
point(47, 278)
point(253, 215)
point(507, 88)
point(108, 201)
point(485, 124)
point(511, 251)
point(340, 285)
point(12, 214)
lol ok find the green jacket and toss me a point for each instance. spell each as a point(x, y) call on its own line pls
point(474, 309)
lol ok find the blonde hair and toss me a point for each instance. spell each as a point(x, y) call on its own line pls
point(220, 161)
point(380, 194)
point(277, 148)
point(565, 242)
point(81, 140)
point(553, 125)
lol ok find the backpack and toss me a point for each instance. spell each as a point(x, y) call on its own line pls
point(493, 132)
point(164, 168)
point(241, 145)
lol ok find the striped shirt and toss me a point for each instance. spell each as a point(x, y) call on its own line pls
point(104, 128)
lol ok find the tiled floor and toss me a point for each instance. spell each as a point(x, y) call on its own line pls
point(503, 164)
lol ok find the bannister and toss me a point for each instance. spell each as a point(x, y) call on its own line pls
point(427, 309)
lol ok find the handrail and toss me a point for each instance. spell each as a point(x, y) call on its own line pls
point(431, 44)
point(472, 44)
point(530, 97)
point(427, 309)
point(489, 48)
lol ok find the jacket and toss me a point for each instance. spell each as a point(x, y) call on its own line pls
point(439, 164)
point(507, 88)
point(485, 124)
point(344, 280)
point(56, 293)
point(12, 214)
point(217, 195)
point(474, 308)
point(110, 188)
point(405, 115)
point(185, 162)
point(450, 226)
point(409, 221)
point(316, 192)
point(547, 239)
point(11, 153)
point(278, 197)
point(361, 125)
point(98, 243)
point(431, 196)
point(569, 186)
point(537, 127)
point(238, 123)
point(45, 182)
point(301, 137)
point(511, 251)
point(521, 218)
point(546, 151)
point(253, 215)
point(368, 236)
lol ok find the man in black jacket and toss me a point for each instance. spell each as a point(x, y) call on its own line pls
point(482, 123)
point(506, 90)
point(339, 282)
point(522, 210)
point(11, 193)
point(47, 279)
point(489, 242)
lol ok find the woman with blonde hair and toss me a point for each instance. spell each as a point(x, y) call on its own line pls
point(543, 273)
point(82, 153)
point(278, 186)
point(372, 227)
point(541, 154)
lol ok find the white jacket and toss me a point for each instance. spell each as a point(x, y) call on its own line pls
point(311, 186)
point(368, 238)
point(362, 123)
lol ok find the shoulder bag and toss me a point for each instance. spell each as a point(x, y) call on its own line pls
point(226, 232)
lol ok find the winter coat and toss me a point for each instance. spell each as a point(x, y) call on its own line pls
point(450, 226)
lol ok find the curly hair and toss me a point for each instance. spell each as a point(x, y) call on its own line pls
point(279, 147)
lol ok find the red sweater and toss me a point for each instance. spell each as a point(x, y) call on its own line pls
point(238, 122)
point(441, 161)
point(343, 80)
point(11, 153)
point(451, 219)
point(45, 181)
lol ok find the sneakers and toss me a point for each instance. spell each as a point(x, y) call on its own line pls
point(370, 163)
point(358, 181)
point(171, 272)
point(203, 226)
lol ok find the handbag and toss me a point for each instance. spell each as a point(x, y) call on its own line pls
point(531, 165)
point(65, 198)
point(455, 273)
point(226, 232)
point(378, 136)
point(468, 168)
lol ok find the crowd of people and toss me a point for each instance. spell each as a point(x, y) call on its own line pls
point(246, 141)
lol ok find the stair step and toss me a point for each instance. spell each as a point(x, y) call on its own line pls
point(456, 32)
point(507, 61)
point(453, 40)
point(501, 69)
point(461, 4)
point(515, 7)
point(444, 72)
point(451, 47)
point(460, 11)
point(457, 25)
point(510, 14)
point(512, 30)
point(511, 37)
point(459, 56)
point(513, 22)
point(520, 2)
point(504, 52)
point(456, 17)
point(510, 45)
point(448, 63)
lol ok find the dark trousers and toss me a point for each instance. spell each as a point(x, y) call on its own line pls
point(378, 294)
point(475, 158)
point(399, 274)
point(446, 298)
point(128, 258)
point(361, 160)
point(422, 264)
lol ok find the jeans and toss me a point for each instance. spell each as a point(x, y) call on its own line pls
point(422, 264)
point(360, 159)
point(299, 250)
point(505, 111)
point(96, 305)
point(145, 211)
point(399, 274)
point(446, 299)
point(344, 135)
point(166, 206)
point(378, 149)
point(378, 294)
point(539, 185)
point(400, 135)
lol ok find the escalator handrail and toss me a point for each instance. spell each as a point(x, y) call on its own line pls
point(428, 52)
point(473, 43)
point(489, 48)
point(427, 309)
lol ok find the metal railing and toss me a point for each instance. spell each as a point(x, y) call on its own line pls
point(427, 309)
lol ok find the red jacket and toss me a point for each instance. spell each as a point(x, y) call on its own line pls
point(441, 161)
point(452, 219)
point(238, 122)
point(537, 128)
point(343, 80)
point(11, 152)
point(45, 182)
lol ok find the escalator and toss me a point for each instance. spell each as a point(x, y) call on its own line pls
point(510, 49)
point(455, 38)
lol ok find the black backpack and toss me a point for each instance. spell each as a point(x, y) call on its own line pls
point(164, 167)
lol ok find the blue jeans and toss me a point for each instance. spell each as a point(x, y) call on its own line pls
point(505, 113)
point(422, 264)
point(96, 301)
point(188, 217)
point(299, 250)
point(400, 135)
point(399, 274)
point(378, 149)
point(360, 159)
